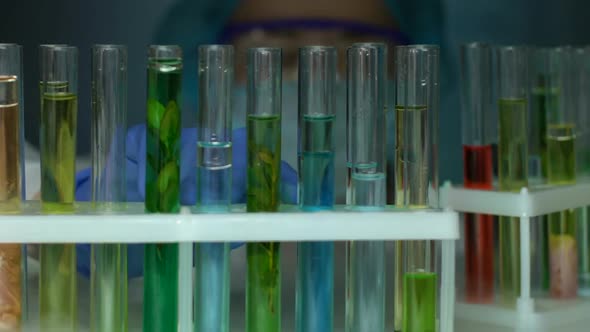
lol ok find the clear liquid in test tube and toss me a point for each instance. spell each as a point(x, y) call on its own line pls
point(365, 260)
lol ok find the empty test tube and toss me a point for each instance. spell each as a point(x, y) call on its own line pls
point(108, 291)
point(315, 260)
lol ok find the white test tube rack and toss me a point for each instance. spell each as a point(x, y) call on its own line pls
point(529, 314)
point(134, 226)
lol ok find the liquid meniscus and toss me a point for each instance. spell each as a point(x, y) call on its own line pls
point(214, 174)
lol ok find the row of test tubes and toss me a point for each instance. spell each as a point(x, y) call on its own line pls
point(416, 182)
point(540, 135)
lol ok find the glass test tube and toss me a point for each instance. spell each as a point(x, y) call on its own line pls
point(582, 99)
point(315, 260)
point(512, 159)
point(214, 174)
point(543, 101)
point(160, 306)
point(561, 170)
point(263, 283)
point(365, 260)
point(477, 119)
point(417, 102)
point(12, 274)
point(108, 285)
point(59, 106)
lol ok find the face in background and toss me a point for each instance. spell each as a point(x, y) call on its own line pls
point(294, 25)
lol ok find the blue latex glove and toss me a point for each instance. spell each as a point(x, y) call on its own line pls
point(135, 169)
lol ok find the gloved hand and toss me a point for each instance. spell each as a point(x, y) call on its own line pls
point(135, 171)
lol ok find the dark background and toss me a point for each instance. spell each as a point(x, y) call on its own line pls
point(139, 23)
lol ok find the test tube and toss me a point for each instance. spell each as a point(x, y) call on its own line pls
point(162, 182)
point(59, 106)
point(214, 174)
point(582, 100)
point(315, 260)
point(12, 273)
point(512, 159)
point(416, 108)
point(561, 170)
point(477, 119)
point(365, 260)
point(108, 282)
point(263, 282)
point(543, 101)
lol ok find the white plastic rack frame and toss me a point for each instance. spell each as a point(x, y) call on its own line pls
point(132, 225)
point(529, 314)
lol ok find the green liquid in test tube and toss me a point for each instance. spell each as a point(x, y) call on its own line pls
point(160, 307)
point(263, 279)
point(57, 280)
point(513, 161)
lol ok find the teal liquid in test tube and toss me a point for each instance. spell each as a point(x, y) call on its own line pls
point(315, 260)
point(214, 174)
point(416, 108)
point(108, 285)
point(263, 280)
point(365, 269)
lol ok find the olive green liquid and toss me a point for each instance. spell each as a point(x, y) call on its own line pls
point(561, 170)
point(543, 106)
point(263, 285)
point(162, 190)
point(513, 175)
point(57, 288)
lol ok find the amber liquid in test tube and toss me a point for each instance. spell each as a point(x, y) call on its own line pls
point(11, 193)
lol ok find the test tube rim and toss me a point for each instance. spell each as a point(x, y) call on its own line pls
point(369, 44)
point(169, 52)
point(59, 47)
point(216, 47)
point(109, 47)
point(476, 45)
point(419, 47)
point(10, 45)
point(311, 48)
point(270, 50)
